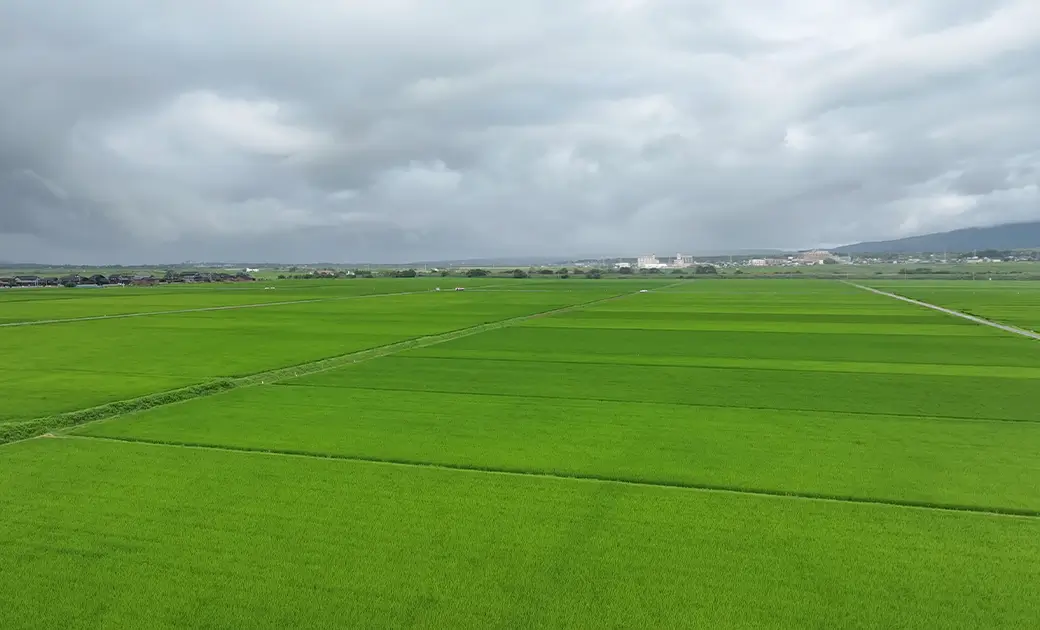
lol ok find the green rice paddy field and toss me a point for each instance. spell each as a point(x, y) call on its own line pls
point(553, 453)
point(1014, 303)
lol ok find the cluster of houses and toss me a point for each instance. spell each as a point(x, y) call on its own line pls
point(195, 276)
point(117, 279)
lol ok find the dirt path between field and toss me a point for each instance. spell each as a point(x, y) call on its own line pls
point(949, 311)
point(22, 430)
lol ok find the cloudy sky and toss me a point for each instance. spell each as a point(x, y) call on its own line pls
point(397, 130)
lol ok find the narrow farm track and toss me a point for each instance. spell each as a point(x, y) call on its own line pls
point(204, 309)
point(323, 365)
point(949, 311)
point(29, 429)
point(692, 486)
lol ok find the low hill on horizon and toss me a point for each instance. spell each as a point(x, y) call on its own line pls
point(1000, 237)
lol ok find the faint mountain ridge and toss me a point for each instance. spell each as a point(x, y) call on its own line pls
point(1009, 236)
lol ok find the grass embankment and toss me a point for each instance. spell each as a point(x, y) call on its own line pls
point(23, 430)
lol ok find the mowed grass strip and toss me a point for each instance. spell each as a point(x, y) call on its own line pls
point(63, 367)
point(968, 464)
point(165, 537)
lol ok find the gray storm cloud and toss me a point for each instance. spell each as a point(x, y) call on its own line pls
point(405, 130)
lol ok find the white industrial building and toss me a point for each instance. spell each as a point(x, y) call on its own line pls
point(816, 256)
point(682, 261)
point(650, 262)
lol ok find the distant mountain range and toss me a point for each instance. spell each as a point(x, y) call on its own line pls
point(1011, 236)
point(1001, 237)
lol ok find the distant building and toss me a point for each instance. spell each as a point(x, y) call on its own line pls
point(815, 256)
point(650, 262)
point(682, 261)
point(623, 265)
point(27, 281)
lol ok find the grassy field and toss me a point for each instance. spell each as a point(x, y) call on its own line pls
point(754, 453)
point(981, 464)
point(1015, 303)
point(26, 305)
point(182, 537)
point(66, 366)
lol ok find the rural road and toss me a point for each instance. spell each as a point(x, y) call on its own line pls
point(949, 311)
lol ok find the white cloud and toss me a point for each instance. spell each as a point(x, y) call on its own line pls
point(417, 179)
point(200, 124)
point(426, 129)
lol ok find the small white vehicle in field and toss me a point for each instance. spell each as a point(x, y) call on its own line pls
point(460, 288)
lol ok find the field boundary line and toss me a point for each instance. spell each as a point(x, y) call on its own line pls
point(868, 414)
point(949, 311)
point(21, 430)
point(331, 363)
point(26, 429)
point(801, 366)
point(578, 476)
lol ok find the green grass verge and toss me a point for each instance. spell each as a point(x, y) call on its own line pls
point(14, 431)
